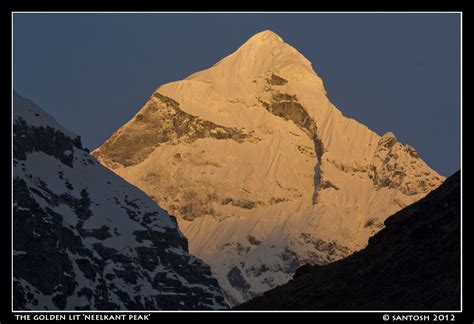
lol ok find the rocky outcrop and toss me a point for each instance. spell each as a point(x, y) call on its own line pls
point(389, 168)
point(276, 80)
point(30, 139)
point(161, 121)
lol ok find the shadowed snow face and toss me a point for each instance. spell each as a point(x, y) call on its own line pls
point(84, 238)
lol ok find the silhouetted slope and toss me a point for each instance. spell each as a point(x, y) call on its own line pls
point(413, 263)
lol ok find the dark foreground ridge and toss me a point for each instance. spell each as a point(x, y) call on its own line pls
point(413, 263)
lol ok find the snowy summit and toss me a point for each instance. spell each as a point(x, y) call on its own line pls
point(262, 171)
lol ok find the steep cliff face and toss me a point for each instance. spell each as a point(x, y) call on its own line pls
point(265, 174)
point(413, 263)
point(84, 238)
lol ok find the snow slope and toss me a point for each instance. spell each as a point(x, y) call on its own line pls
point(263, 173)
point(84, 238)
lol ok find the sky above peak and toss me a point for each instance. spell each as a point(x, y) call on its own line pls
point(391, 72)
point(266, 35)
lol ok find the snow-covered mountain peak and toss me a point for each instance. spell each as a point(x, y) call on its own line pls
point(262, 54)
point(263, 172)
point(265, 36)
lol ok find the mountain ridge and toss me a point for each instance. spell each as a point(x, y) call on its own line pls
point(85, 239)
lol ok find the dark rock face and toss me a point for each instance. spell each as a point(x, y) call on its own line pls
point(42, 236)
point(329, 250)
point(85, 239)
point(43, 139)
point(161, 121)
point(276, 80)
point(241, 203)
point(328, 184)
point(413, 263)
point(252, 240)
point(237, 280)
